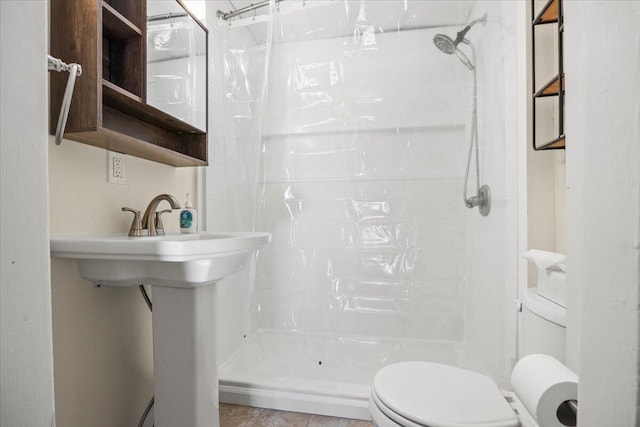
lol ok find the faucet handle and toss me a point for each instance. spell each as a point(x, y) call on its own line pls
point(136, 225)
point(159, 225)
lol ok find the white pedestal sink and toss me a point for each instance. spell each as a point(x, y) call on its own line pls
point(180, 268)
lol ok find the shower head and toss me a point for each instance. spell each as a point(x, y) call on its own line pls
point(445, 43)
point(450, 46)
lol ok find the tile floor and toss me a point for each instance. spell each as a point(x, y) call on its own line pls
point(245, 416)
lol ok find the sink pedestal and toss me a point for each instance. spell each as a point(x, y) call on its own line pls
point(184, 359)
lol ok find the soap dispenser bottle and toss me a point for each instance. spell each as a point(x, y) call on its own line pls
point(188, 217)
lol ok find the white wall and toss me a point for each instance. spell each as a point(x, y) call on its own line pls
point(26, 364)
point(602, 61)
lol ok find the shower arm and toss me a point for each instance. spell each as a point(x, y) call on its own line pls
point(460, 35)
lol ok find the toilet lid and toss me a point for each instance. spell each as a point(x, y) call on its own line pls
point(435, 395)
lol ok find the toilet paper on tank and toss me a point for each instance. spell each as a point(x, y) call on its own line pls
point(542, 384)
point(552, 275)
point(546, 259)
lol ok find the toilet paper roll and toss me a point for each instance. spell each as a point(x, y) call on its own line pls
point(543, 384)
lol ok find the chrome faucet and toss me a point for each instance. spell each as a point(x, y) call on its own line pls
point(151, 218)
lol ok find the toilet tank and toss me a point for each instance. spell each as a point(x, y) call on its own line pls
point(542, 327)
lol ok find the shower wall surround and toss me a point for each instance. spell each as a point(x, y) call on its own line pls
point(345, 135)
point(492, 242)
point(361, 188)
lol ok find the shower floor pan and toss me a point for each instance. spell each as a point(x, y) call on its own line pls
point(324, 375)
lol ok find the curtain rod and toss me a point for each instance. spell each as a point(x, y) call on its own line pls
point(164, 16)
point(251, 7)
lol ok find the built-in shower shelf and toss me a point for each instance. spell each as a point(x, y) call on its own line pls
point(551, 88)
point(548, 14)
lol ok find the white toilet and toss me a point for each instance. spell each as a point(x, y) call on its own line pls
point(425, 394)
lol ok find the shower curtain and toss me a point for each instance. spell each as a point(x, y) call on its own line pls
point(344, 135)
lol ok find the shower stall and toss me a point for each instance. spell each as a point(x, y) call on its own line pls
point(339, 127)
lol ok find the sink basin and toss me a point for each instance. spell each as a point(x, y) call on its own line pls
point(174, 260)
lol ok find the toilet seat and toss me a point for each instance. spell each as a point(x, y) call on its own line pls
point(385, 417)
point(424, 394)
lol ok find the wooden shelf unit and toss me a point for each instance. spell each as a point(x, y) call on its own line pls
point(555, 144)
point(551, 88)
point(109, 109)
point(550, 13)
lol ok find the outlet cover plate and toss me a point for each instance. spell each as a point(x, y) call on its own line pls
point(115, 168)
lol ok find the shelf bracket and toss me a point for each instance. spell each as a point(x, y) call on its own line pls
point(75, 70)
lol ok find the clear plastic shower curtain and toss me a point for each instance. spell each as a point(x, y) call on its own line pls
point(238, 111)
point(348, 132)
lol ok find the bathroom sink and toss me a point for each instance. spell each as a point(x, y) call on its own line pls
point(183, 316)
point(175, 260)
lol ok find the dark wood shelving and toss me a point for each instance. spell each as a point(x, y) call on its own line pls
point(111, 91)
point(115, 140)
point(109, 108)
point(135, 11)
point(116, 97)
point(123, 52)
point(116, 25)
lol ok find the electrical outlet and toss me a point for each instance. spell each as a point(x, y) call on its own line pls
point(115, 168)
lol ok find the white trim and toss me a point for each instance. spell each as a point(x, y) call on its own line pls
point(202, 198)
point(305, 402)
point(522, 73)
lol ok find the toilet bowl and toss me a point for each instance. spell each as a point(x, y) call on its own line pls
point(425, 394)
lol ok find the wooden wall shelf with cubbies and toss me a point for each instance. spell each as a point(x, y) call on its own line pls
point(549, 14)
point(109, 109)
